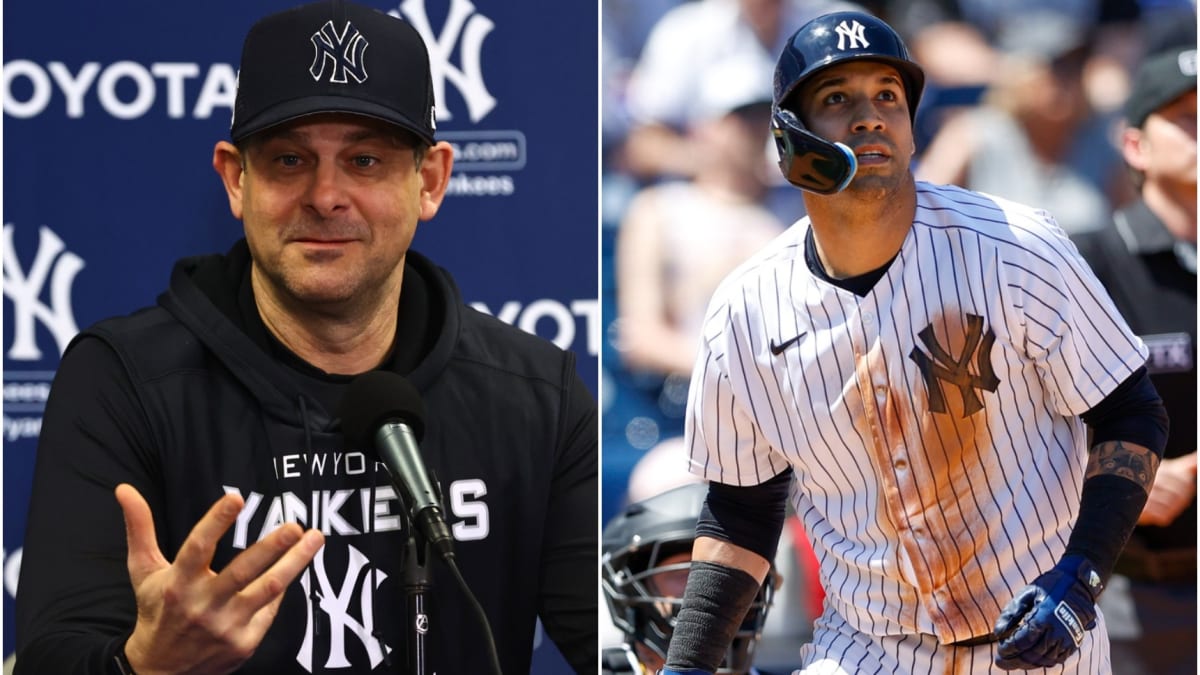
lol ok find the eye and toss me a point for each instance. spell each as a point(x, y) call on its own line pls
point(888, 95)
point(288, 160)
point(835, 98)
point(364, 161)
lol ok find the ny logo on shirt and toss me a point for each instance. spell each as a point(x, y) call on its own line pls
point(939, 364)
point(336, 603)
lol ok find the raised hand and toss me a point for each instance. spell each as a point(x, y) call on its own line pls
point(191, 618)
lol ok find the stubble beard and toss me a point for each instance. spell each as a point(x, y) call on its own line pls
point(324, 290)
point(879, 186)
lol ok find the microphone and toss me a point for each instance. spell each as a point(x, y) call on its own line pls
point(384, 410)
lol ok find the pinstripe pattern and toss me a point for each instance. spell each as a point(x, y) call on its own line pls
point(923, 522)
point(837, 649)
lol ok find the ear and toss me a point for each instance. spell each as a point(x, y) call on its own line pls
point(227, 161)
point(435, 177)
point(1133, 148)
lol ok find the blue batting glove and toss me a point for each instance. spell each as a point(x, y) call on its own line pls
point(1045, 623)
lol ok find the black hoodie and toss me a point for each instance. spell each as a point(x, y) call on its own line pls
point(191, 398)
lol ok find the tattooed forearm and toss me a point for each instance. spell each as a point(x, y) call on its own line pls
point(1127, 460)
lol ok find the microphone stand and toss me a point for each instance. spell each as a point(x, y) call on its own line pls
point(418, 580)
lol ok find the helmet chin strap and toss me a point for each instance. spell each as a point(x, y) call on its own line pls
point(808, 161)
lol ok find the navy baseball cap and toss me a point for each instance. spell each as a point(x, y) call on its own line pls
point(1162, 78)
point(333, 56)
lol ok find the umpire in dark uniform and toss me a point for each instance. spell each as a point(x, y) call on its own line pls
point(1146, 257)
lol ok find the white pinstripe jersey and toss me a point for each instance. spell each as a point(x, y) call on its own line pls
point(932, 424)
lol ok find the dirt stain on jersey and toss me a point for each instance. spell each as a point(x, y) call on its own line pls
point(933, 458)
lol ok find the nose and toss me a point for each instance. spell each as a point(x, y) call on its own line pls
point(326, 194)
point(866, 116)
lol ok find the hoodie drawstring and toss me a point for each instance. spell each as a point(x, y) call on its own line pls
point(314, 599)
point(371, 535)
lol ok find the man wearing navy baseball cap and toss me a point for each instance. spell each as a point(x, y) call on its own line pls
point(1146, 258)
point(249, 531)
point(358, 61)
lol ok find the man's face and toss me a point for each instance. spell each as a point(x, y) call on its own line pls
point(669, 585)
point(1169, 143)
point(862, 104)
point(330, 204)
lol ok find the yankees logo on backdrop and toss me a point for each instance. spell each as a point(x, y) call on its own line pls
point(464, 30)
point(343, 51)
point(24, 287)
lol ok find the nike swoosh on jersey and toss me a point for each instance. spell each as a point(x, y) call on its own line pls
point(777, 349)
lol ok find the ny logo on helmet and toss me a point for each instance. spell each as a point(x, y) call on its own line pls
point(855, 32)
point(344, 53)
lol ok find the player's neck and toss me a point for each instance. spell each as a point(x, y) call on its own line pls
point(856, 235)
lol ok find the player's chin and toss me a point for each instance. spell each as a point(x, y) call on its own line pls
point(323, 288)
point(870, 183)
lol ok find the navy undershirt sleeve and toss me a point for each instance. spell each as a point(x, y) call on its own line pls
point(747, 516)
point(1132, 412)
point(1110, 504)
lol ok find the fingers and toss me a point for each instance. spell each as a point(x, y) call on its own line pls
point(144, 556)
point(1174, 488)
point(268, 587)
point(1157, 513)
point(1045, 653)
point(272, 583)
point(1027, 635)
point(1039, 637)
point(251, 563)
point(264, 617)
point(196, 554)
point(1014, 613)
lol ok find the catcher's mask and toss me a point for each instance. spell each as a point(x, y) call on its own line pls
point(635, 543)
point(808, 161)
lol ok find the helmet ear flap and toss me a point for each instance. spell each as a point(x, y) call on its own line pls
point(808, 161)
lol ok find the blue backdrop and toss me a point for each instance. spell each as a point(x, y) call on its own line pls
point(111, 111)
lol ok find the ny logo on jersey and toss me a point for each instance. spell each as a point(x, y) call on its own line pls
point(343, 51)
point(939, 364)
point(335, 603)
point(24, 289)
point(855, 33)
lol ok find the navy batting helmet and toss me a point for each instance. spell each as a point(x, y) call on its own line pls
point(635, 543)
point(808, 161)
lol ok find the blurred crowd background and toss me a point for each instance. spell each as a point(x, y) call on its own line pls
point(1023, 99)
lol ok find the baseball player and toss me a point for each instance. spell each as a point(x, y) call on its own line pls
point(647, 553)
point(915, 365)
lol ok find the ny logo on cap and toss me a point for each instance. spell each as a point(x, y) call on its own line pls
point(855, 32)
point(345, 54)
